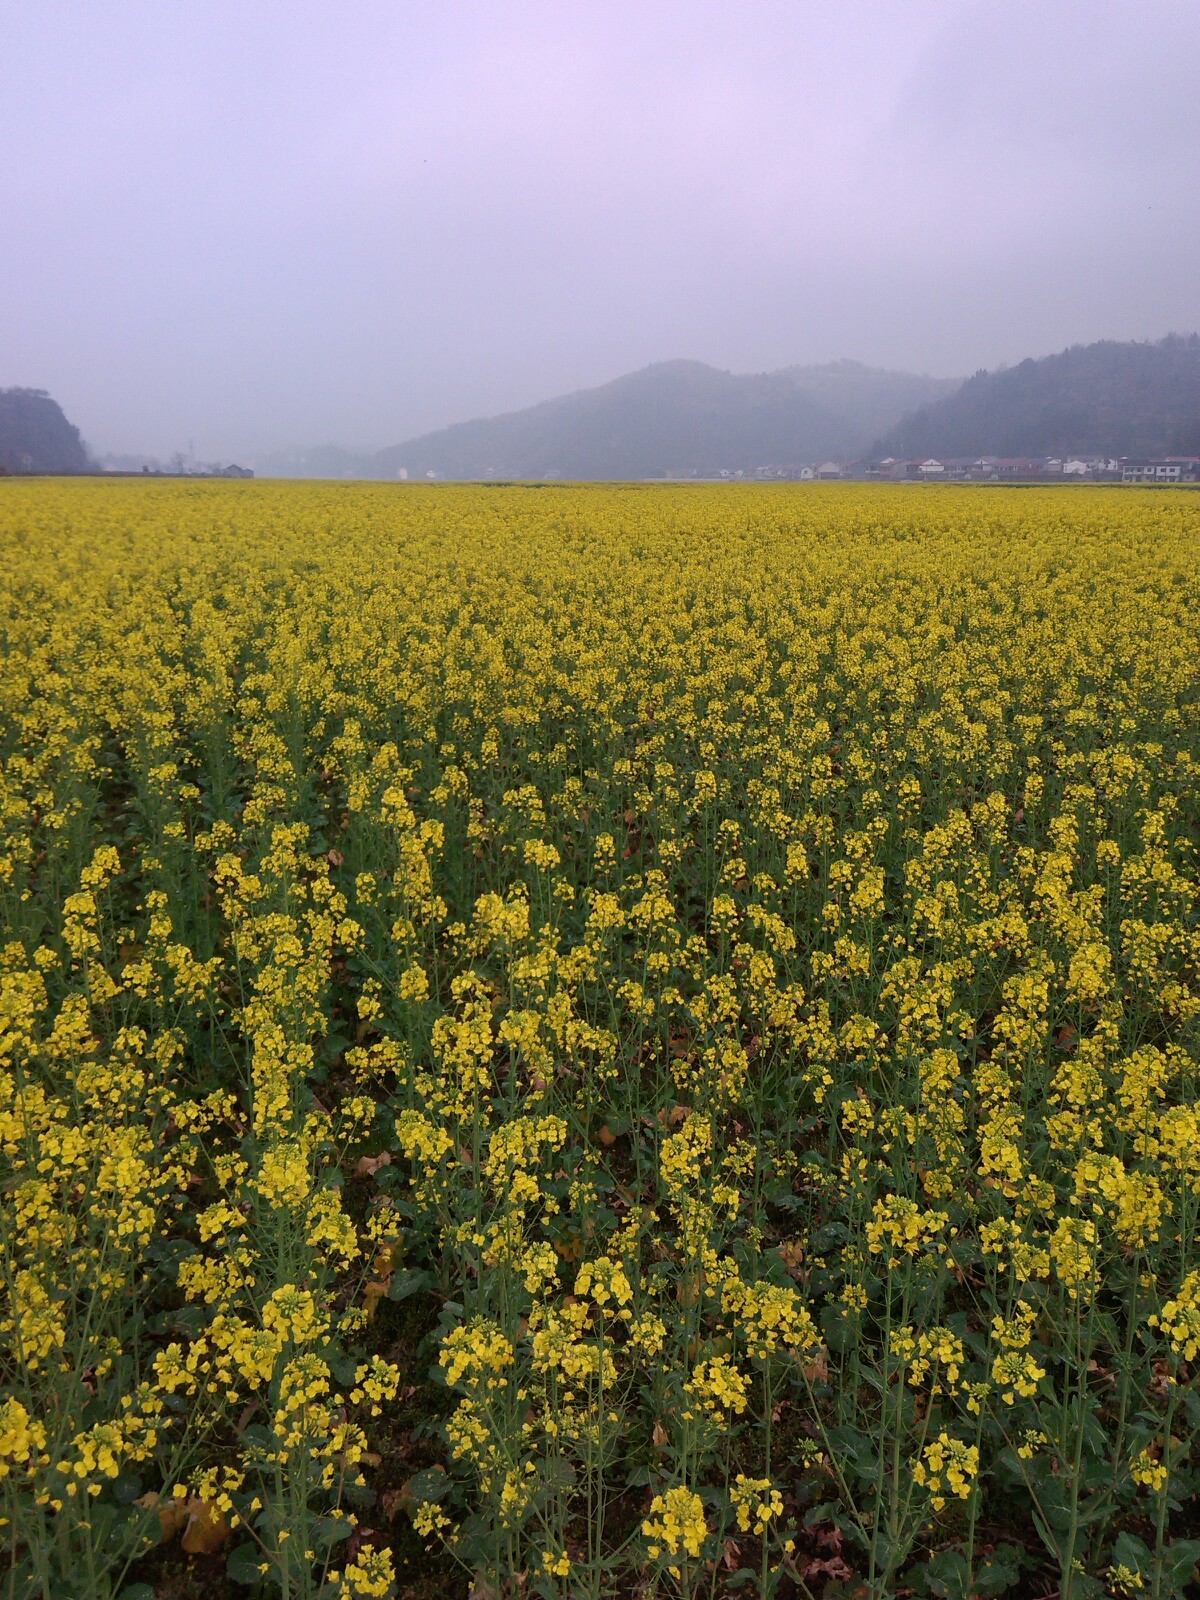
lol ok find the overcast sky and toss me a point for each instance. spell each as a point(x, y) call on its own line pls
point(259, 225)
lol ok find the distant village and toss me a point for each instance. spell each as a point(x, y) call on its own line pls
point(945, 469)
point(1163, 470)
point(990, 469)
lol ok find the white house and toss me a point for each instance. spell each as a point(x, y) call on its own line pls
point(931, 468)
point(1172, 470)
point(1075, 468)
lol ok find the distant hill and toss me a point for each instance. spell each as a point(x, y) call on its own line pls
point(868, 399)
point(1103, 399)
point(35, 436)
point(673, 418)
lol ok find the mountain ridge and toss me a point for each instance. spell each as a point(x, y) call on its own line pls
point(1111, 398)
point(684, 417)
point(671, 417)
point(668, 418)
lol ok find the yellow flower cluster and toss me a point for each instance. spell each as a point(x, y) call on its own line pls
point(756, 1503)
point(676, 1524)
point(946, 1467)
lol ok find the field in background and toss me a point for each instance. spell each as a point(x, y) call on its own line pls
point(618, 1041)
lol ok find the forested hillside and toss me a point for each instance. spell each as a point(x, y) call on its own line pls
point(35, 436)
point(1106, 398)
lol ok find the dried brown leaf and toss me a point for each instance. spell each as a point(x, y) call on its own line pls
point(207, 1529)
point(172, 1514)
point(373, 1293)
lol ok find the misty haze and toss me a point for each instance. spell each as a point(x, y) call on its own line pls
point(238, 241)
point(600, 800)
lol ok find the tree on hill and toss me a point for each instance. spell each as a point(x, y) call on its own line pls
point(35, 436)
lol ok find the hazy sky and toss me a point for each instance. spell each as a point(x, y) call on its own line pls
point(256, 225)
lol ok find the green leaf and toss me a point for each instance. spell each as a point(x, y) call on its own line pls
point(1048, 1536)
point(1180, 1560)
point(947, 1572)
point(243, 1565)
point(408, 1281)
point(1095, 1507)
point(1086, 1587)
point(1129, 1551)
point(126, 1488)
point(188, 1319)
point(828, 1237)
point(343, 1367)
point(1191, 1404)
point(431, 1484)
point(999, 1572)
point(850, 1443)
point(328, 1531)
point(557, 1474)
point(841, 1329)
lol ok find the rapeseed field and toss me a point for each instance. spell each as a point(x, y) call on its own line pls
point(581, 1042)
